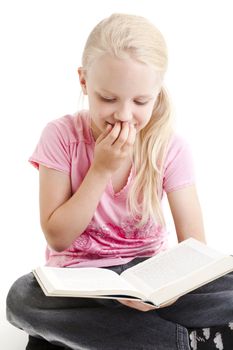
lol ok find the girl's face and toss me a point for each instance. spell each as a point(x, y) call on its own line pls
point(120, 90)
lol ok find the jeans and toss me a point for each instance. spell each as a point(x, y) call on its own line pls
point(105, 324)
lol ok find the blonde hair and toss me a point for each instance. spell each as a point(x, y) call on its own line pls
point(124, 35)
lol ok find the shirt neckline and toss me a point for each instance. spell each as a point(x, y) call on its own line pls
point(123, 190)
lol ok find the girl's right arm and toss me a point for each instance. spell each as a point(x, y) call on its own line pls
point(64, 216)
point(72, 214)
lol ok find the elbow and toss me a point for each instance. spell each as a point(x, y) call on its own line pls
point(55, 246)
point(56, 243)
point(55, 240)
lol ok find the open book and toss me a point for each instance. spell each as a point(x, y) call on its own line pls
point(158, 280)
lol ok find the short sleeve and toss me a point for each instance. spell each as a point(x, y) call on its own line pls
point(179, 167)
point(52, 149)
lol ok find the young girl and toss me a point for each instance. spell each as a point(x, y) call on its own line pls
point(103, 172)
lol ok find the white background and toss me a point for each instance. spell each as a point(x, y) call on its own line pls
point(41, 47)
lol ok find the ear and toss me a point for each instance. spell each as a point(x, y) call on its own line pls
point(82, 79)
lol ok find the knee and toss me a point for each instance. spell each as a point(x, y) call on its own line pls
point(18, 298)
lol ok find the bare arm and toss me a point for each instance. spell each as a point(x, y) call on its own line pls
point(187, 216)
point(64, 216)
point(72, 214)
point(187, 213)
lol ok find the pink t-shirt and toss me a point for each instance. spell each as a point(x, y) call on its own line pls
point(67, 145)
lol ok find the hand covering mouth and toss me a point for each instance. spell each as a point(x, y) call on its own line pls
point(114, 124)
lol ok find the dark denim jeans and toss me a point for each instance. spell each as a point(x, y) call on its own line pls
point(102, 324)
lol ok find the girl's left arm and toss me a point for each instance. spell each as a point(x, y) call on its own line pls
point(187, 214)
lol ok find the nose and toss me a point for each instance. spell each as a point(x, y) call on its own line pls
point(123, 114)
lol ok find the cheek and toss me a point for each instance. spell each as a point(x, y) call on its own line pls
point(143, 118)
point(100, 111)
point(106, 109)
point(147, 113)
point(104, 114)
point(103, 109)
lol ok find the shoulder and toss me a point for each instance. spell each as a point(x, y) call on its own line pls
point(177, 142)
point(62, 140)
point(178, 146)
point(178, 170)
point(70, 128)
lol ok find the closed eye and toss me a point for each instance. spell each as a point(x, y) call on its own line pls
point(108, 100)
point(140, 103)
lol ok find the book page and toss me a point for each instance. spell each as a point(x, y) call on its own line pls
point(171, 265)
point(192, 281)
point(79, 281)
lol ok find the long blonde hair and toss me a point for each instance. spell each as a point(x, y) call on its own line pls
point(124, 35)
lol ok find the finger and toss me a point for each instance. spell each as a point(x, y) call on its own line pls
point(123, 135)
point(138, 305)
point(130, 304)
point(104, 134)
point(131, 138)
point(169, 303)
point(145, 307)
point(113, 135)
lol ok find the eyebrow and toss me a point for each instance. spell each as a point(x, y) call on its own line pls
point(139, 96)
